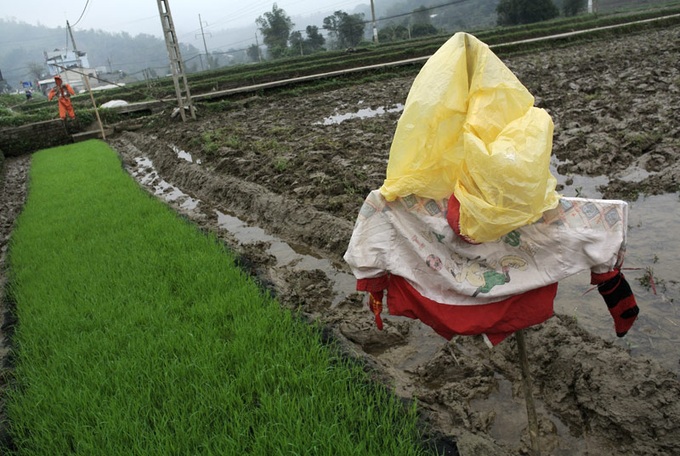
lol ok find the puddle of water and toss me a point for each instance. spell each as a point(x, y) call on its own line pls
point(635, 174)
point(363, 113)
point(576, 185)
point(652, 243)
point(510, 420)
point(147, 175)
point(181, 154)
point(288, 255)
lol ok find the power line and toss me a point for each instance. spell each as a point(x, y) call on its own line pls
point(457, 2)
point(83, 13)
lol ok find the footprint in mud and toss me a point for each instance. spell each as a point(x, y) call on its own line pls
point(360, 328)
point(308, 290)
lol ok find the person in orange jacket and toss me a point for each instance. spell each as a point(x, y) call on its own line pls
point(63, 91)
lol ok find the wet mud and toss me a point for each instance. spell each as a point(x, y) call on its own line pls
point(281, 180)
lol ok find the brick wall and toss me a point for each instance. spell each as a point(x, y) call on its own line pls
point(29, 138)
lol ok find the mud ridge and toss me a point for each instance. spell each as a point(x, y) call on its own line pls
point(249, 201)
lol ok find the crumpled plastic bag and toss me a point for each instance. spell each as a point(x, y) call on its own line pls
point(469, 128)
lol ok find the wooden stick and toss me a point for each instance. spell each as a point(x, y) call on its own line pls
point(94, 104)
point(528, 395)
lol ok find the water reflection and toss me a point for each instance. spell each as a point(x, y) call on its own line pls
point(184, 155)
point(147, 175)
point(364, 113)
point(299, 258)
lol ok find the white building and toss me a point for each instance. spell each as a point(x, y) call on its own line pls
point(60, 59)
point(70, 65)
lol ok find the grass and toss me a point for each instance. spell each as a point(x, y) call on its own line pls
point(137, 335)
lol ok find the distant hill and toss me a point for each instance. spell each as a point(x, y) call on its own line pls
point(22, 46)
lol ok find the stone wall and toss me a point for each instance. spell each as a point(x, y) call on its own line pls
point(29, 138)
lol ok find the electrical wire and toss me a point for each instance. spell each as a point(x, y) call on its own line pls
point(82, 14)
point(379, 19)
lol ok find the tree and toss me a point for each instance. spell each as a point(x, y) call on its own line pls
point(314, 41)
point(296, 43)
point(305, 46)
point(346, 29)
point(418, 30)
point(573, 7)
point(421, 16)
point(36, 70)
point(275, 26)
point(253, 52)
point(393, 33)
point(514, 12)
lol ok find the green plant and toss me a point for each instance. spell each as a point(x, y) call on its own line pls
point(281, 132)
point(649, 282)
point(153, 342)
point(233, 141)
point(350, 188)
point(269, 146)
point(280, 164)
point(209, 142)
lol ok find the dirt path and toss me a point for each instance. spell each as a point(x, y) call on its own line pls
point(299, 168)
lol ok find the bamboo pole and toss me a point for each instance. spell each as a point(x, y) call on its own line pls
point(528, 395)
point(94, 104)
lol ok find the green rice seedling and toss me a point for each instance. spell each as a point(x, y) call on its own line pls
point(137, 335)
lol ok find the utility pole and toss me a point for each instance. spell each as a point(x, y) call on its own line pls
point(75, 50)
point(259, 54)
point(70, 33)
point(205, 46)
point(375, 27)
point(176, 63)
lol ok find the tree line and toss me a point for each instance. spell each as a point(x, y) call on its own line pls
point(346, 31)
point(144, 56)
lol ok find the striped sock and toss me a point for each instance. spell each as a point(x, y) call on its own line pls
point(619, 299)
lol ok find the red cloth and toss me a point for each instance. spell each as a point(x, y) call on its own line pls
point(497, 320)
point(453, 218)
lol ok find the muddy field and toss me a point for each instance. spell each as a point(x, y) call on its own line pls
point(281, 180)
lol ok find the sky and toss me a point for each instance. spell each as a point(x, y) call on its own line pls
point(141, 16)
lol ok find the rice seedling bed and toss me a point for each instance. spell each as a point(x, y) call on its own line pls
point(137, 334)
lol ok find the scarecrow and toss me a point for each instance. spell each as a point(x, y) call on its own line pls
point(467, 233)
point(63, 92)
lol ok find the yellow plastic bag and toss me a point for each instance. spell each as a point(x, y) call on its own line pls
point(469, 128)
